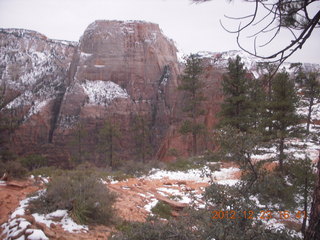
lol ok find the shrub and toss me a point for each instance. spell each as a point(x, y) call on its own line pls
point(47, 171)
point(83, 194)
point(184, 164)
point(13, 168)
point(34, 161)
point(136, 168)
point(162, 209)
point(273, 189)
point(195, 225)
point(154, 229)
point(2, 168)
point(173, 152)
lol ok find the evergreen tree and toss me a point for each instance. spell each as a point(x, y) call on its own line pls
point(235, 109)
point(109, 136)
point(310, 82)
point(192, 86)
point(283, 111)
point(141, 131)
point(8, 124)
point(238, 147)
point(256, 100)
point(267, 71)
point(303, 180)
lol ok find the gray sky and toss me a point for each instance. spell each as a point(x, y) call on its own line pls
point(193, 27)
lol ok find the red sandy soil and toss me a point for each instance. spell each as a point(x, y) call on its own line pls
point(10, 196)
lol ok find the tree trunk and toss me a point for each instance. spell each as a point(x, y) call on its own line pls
point(194, 144)
point(305, 203)
point(79, 147)
point(309, 114)
point(281, 153)
point(313, 231)
point(111, 151)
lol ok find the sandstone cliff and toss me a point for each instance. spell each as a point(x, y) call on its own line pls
point(117, 70)
point(57, 95)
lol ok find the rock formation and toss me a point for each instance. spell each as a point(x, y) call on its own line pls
point(118, 69)
point(55, 96)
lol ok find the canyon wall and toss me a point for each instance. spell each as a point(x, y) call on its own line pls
point(58, 98)
point(53, 90)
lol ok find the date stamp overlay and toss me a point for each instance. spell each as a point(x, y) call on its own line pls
point(261, 215)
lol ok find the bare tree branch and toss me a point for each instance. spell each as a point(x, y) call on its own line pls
point(292, 15)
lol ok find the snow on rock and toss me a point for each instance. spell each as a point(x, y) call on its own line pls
point(250, 62)
point(16, 224)
point(225, 173)
point(197, 175)
point(22, 206)
point(191, 175)
point(151, 204)
point(36, 234)
point(103, 92)
point(230, 182)
point(22, 100)
point(65, 221)
point(37, 107)
point(84, 55)
point(14, 228)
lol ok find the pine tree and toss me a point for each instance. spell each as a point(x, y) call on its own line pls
point(109, 136)
point(256, 99)
point(192, 86)
point(238, 147)
point(235, 109)
point(267, 71)
point(283, 111)
point(303, 181)
point(310, 82)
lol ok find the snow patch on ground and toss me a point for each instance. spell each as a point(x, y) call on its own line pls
point(151, 204)
point(36, 234)
point(16, 224)
point(303, 110)
point(66, 222)
point(197, 175)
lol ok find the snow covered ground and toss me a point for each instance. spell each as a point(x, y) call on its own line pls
point(197, 175)
point(19, 224)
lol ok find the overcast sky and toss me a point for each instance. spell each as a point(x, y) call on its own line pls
point(193, 27)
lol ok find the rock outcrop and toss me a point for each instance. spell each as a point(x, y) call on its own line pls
point(33, 76)
point(56, 96)
point(117, 70)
